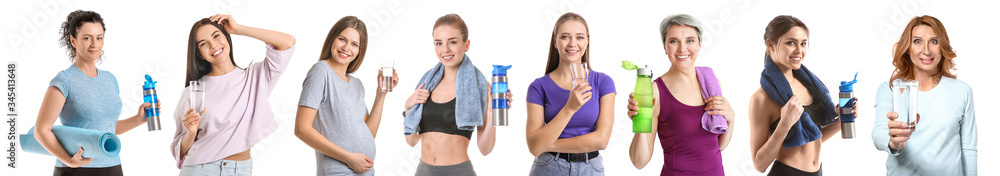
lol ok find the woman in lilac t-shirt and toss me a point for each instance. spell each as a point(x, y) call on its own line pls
point(567, 124)
point(237, 113)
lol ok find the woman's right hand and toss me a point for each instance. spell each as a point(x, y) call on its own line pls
point(418, 97)
point(191, 120)
point(633, 106)
point(227, 22)
point(899, 132)
point(579, 96)
point(358, 162)
point(791, 112)
point(395, 80)
point(78, 160)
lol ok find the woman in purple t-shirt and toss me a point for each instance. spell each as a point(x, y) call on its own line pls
point(688, 148)
point(566, 124)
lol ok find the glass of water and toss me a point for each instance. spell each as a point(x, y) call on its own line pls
point(904, 95)
point(580, 73)
point(387, 67)
point(196, 95)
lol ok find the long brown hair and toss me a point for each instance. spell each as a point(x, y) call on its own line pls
point(336, 30)
point(780, 25)
point(554, 53)
point(905, 69)
point(197, 66)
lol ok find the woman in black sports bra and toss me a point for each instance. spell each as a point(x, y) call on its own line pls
point(440, 117)
point(444, 146)
point(784, 145)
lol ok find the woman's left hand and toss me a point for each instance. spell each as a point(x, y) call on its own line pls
point(854, 109)
point(227, 22)
point(510, 96)
point(395, 80)
point(718, 105)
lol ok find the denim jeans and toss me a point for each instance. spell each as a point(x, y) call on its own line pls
point(219, 168)
point(548, 164)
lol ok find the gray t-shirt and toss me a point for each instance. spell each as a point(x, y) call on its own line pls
point(340, 116)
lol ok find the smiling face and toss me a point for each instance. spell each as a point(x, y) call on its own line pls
point(790, 49)
point(212, 45)
point(571, 42)
point(449, 46)
point(682, 46)
point(88, 41)
point(346, 46)
point(925, 53)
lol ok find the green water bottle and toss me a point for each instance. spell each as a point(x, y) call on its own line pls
point(642, 122)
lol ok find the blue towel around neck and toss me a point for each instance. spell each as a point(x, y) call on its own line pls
point(471, 91)
point(777, 87)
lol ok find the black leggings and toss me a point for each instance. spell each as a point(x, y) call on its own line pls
point(105, 171)
point(779, 168)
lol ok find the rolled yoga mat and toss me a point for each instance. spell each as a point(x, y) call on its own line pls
point(96, 144)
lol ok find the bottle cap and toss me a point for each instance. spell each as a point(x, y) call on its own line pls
point(149, 84)
point(500, 69)
point(640, 71)
point(848, 86)
point(628, 65)
point(644, 71)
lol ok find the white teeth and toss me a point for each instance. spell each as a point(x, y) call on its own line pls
point(448, 57)
point(342, 54)
point(682, 57)
point(217, 53)
point(796, 58)
point(576, 51)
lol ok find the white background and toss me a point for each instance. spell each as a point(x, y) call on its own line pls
point(150, 37)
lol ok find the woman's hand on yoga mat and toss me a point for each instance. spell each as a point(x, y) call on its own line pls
point(358, 162)
point(78, 160)
point(419, 97)
point(191, 120)
point(899, 132)
point(633, 106)
point(791, 112)
point(579, 96)
point(718, 105)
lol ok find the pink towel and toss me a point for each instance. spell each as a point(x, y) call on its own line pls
point(710, 87)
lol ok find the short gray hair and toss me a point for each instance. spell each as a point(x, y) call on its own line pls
point(679, 19)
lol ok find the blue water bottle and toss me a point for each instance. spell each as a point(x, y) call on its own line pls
point(847, 101)
point(500, 90)
point(149, 96)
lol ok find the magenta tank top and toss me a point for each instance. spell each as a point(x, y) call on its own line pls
point(687, 148)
